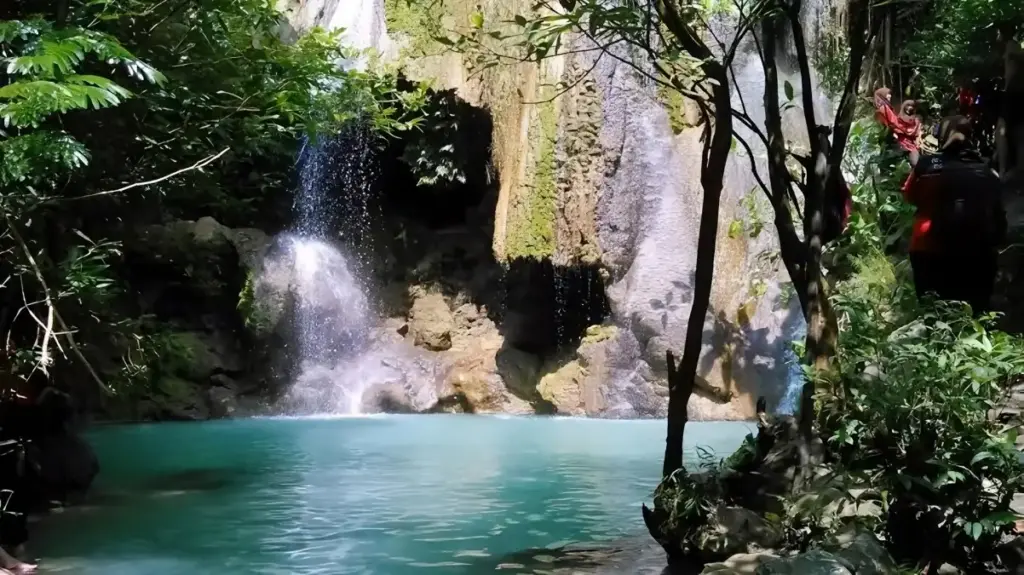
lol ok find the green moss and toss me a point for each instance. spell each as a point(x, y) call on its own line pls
point(675, 105)
point(416, 20)
point(599, 333)
point(532, 230)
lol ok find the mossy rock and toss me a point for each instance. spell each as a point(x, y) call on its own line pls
point(531, 230)
point(178, 399)
point(599, 333)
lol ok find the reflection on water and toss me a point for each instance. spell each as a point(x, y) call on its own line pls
point(397, 494)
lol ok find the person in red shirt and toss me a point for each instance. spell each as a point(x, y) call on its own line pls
point(959, 221)
point(905, 126)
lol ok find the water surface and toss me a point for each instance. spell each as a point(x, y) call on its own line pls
point(375, 495)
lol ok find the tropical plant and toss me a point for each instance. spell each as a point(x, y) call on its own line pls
point(123, 103)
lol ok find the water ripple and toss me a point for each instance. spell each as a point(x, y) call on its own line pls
point(459, 495)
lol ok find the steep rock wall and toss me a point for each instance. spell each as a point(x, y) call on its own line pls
point(607, 173)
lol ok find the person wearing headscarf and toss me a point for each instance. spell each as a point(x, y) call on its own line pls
point(905, 125)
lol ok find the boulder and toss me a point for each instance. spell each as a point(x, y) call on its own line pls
point(735, 530)
point(387, 398)
point(223, 402)
point(862, 553)
point(815, 562)
point(577, 387)
point(477, 382)
point(266, 299)
point(65, 465)
point(184, 269)
point(563, 388)
point(740, 564)
point(519, 371)
point(251, 245)
point(204, 354)
point(431, 322)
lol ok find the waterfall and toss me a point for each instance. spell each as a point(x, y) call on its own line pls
point(649, 214)
point(362, 22)
point(327, 256)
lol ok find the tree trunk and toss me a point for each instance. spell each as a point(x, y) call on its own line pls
point(61, 13)
point(681, 380)
point(680, 388)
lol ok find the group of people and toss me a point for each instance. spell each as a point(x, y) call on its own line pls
point(959, 221)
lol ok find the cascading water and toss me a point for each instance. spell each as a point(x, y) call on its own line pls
point(332, 318)
point(327, 258)
point(340, 356)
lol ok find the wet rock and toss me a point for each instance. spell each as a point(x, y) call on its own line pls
point(223, 402)
point(862, 553)
point(65, 465)
point(387, 398)
point(431, 322)
point(177, 399)
point(208, 230)
point(202, 355)
point(811, 563)
point(471, 378)
point(737, 530)
point(519, 371)
point(251, 245)
point(740, 564)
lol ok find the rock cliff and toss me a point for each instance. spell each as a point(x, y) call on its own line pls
point(603, 178)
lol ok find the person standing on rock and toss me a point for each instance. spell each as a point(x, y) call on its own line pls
point(959, 222)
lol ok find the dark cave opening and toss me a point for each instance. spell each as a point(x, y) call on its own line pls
point(549, 307)
point(440, 234)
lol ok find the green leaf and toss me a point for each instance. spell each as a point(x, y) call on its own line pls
point(735, 229)
point(788, 88)
point(973, 530)
point(982, 456)
point(476, 20)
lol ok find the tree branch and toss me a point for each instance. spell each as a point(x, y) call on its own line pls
point(806, 89)
point(196, 166)
point(38, 273)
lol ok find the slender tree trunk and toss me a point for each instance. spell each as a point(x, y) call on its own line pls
point(681, 380)
point(61, 14)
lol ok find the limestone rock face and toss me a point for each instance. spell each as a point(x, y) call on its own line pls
point(431, 322)
point(599, 177)
point(387, 398)
point(474, 366)
point(578, 386)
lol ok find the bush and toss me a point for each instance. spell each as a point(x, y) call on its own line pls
point(907, 411)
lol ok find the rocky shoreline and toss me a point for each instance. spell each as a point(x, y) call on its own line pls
point(447, 319)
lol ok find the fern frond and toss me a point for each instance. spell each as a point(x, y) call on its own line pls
point(29, 102)
point(49, 53)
